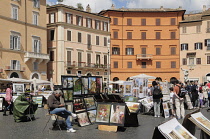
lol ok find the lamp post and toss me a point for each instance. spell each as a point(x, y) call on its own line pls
point(108, 48)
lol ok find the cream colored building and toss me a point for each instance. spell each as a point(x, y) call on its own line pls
point(195, 47)
point(23, 49)
point(77, 43)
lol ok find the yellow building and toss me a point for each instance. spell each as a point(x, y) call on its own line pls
point(23, 49)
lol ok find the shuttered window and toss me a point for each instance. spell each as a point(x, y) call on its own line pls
point(68, 35)
point(158, 22)
point(79, 20)
point(69, 57)
point(129, 35)
point(129, 22)
point(184, 46)
point(198, 46)
point(79, 37)
point(198, 61)
point(173, 64)
point(88, 22)
point(115, 64)
point(89, 59)
point(129, 64)
point(143, 35)
point(173, 35)
point(97, 40)
point(115, 50)
point(157, 35)
point(105, 60)
point(69, 18)
point(184, 61)
point(52, 18)
point(173, 21)
point(15, 64)
point(143, 22)
point(115, 21)
point(129, 51)
point(36, 45)
point(173, 50)
point(105, 41)
point(14, 42)
point(143, 50)
point(158, 64)
point(115, 35)
point(158, 51)
point(208, 59)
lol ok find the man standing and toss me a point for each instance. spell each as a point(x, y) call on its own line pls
point(57, 108)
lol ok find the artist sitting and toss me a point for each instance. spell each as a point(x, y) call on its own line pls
point(57, 108)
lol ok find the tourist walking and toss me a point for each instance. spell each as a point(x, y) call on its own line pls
point(194, 98)
point(171, 102)
point(8, 103)
point(205, 89)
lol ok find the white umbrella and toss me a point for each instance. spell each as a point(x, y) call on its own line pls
point(143, 76)
point(120, 82)
point(38, 81)
point(19, 80)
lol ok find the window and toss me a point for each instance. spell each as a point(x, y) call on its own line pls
point(158, 22)
point(35, 65)
point(184, 29)
point(36, 45)
point(97, 73)
point(69, 58)
point(143, 65)
point(184, 61)
point(143, 35)
point(35, 18)
point(15, 41)
point(115, 50)
point(79, 37)
point(198, 46)
point(207, 43)
point(208, 27)
point(173, 21)
point(173, 50)
point(208, 59)
point(158, 64)
point(68, 71)
point(173, 64)
point(105, 61)
point(79, 20)
point(198, 29)
point(198, 61)
point(105, 41)
point(15, 12)
point(15, 65)
point(69, 18)
point(79, 59)
point(115, 21)
point(129, 22)
point(52, 18)
point(97, 40)
point(173, 35)
point(191, 61)
point(98, 59)
point(115, 35)
point(105, 26)
point(52, 33)
point(158, 51)
point(89, 59)
point(157, 35)
point(97, 25)
point(184, 46)
point(129, 64)
point(144, 51)
point(89, 23)
point(143, 22)
point(129, 35)
point(68, 35)
point(129, 51)
point(115, 64)
point(36, 3)
point(89, 41)
point(51, 55)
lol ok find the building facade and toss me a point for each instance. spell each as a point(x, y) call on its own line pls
point(23, 48)
point(77, 43)
point(144, 41)
point(195, 47)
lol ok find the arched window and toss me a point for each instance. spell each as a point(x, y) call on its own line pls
point(115, 86)
point(89, 74)
point(14, 74)
point(35, 75)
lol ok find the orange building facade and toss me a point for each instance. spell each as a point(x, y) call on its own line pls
point(144, 41)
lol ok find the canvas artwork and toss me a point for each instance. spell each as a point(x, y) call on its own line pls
point(79, 105)
point(131, 99)
point(117, 115)
point(38, 100)
point(70, 82)
point(68, 95)
point(132, 106)
point(18, 88)
point(166, 109)
point(92, 115)
point(65, 82)
point(90, 103)
point(77, 86)
point(98, 85)
point(92, 84)
point(103, 113)
point(85, 85)
point(202, 120)
point(1, 104)
point(83, 119)
point(127, 89)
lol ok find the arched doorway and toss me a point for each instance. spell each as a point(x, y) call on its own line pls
point(14, 74)
point(89, 74)
point(173, 80)
point(115, 86)
point(35, 75)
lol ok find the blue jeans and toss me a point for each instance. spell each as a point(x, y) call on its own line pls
point(156, 107)
point(62, 112)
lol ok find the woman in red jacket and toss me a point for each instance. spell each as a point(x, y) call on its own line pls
point(8, 103)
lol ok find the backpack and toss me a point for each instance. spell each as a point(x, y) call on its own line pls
point(182, 92)
point(156, 91)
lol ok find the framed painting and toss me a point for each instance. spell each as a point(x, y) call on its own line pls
point(103, 113)
point(68, 95)
point(117, 114)
point(77, 86)
point(64, 82)
point(85, 85)
point(83, 119)
point(130, 99)
point(92, 115)
point(98, 85)
point(133, 107)
point(79, 105)
point(18, 88)
point(92, 85)
point(70, 83)
point(90, 103)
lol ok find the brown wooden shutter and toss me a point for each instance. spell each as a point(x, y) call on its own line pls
point(87, 22)
point(173, 21)
point(102, 25)
point(115, 35)
point(115, 21)
point(68, 56)
point(129, 22)
point(115, 64)
point(158, 35)
point(91, 24)
point(143, 51)
point(82, 21)
point(129, 35)
point(88, 58)
point(143, 22)
point(173, 35)
point(173, 50)
point(71, 18)
point(77, 20)
point(158, 51)
point(158, 22)
point(143, 35)
point(54, 18)
point(69, 35)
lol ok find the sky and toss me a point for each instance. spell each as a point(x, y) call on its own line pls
point(98, 5)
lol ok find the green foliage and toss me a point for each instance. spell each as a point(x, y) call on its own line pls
point(79, 6)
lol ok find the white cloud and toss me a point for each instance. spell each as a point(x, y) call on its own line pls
point(95, 5)
point(189, 5)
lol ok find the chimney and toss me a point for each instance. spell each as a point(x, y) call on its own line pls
point(113, 7)
point(161, 7)
point(204, 8)
point(88, 9)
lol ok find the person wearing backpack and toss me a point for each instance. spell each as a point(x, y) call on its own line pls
point(157, 95)
point(179, 100)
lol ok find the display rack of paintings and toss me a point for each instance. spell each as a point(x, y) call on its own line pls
point(147, 103)
point(130, 99)
point(90, 103)
point(77, 86)
point(38, 100)
point(83, 119)
point(127, 89)
point(1, 103)
point(110, 113)
point(79, 105)
point(18, 88)
point(92, 115)
point(133, 106)
point(68, 95)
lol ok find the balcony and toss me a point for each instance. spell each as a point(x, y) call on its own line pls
point(84, 65)
point(208, 30)
point(36, 57)
point(144, 56)
point(89, 47)
point(17, 68)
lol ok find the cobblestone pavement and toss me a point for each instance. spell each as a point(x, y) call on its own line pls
point(33, 129)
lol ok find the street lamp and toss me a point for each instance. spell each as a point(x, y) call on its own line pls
point(108, 48)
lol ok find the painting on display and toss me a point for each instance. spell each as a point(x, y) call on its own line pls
point(133, 107)
point(85, 85)
point(117, 115)
point(92, 85)
point(79, 105)
point(65, 82)
point(90, 103)
point(68, 95)
point(83, 119)
point(1, 103)
point(130, 99)
point(127, 88)
point(70, 82)
point(92, 115)
point(38, 100)
point(103, 113)
point(98, 85)
point(166, 110)
point(77, 86)
point(18, 88)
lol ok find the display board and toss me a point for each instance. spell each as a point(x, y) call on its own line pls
point(1, 103)
point(18, 88)
point(38, 100)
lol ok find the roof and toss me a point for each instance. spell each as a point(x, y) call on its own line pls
point(76, 9)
